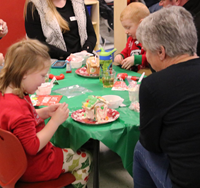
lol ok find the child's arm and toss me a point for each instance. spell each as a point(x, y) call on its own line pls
point(57, 118)
point(135, 60)
point(126, 51)
point(141, 59)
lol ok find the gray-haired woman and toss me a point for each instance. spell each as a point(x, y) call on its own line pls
point(168, 152)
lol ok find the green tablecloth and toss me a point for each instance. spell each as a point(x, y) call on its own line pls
point(120, 136)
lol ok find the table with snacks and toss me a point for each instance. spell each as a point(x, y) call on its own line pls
point(120, 135)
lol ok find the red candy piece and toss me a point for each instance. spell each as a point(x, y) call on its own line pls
point(135, 78)
point(69, 58)
point(62, 76)
point(122, 75)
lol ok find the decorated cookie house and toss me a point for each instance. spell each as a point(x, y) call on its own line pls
point(92, 64)
point(95, 108)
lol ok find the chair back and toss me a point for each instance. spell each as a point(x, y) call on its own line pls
point(13, 161)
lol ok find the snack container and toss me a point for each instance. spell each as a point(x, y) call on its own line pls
point(84, 55)
point(76, 62)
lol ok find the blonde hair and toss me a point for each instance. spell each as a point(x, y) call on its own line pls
point(61, 21)
point(135, 11)
point(21, 57)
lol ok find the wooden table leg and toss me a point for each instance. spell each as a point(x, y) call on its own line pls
point(96, 164)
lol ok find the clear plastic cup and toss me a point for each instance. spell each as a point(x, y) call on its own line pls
point(134, 93)
point(108, 77)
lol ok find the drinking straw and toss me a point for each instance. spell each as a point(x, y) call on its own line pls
point(95, 53)
point(141, 77)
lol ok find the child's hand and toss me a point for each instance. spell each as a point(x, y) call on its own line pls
point(60, 114)
point(52, 109)
point(1, 59)
point(118, 59)
point(128, 62)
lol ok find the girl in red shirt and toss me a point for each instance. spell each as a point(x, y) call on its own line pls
point(26, 64)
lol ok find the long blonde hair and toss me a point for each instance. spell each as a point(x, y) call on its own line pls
point(62, 22)
point(23, 56)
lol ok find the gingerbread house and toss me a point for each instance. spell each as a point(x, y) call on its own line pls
point(96, 108)
point(93, 67)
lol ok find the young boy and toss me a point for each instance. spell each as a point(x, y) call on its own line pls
point(133, 56)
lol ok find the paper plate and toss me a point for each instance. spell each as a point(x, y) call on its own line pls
point(82, 72)
point(78, 115)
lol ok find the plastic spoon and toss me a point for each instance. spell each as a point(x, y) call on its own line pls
point(141, 77)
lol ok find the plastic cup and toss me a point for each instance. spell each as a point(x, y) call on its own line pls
point(108, 77)
point(134, 94)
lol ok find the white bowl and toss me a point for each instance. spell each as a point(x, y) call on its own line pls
point(76, 62)
point(114, 101)
point(84, 55)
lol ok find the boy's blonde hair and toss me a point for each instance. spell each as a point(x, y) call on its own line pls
point(21, 57)
point(134, 11)
point(62, 22)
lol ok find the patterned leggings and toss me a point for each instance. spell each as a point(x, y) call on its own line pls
point(79, 164)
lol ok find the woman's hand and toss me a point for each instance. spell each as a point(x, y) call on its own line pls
point(3, 28)
point(128, 62)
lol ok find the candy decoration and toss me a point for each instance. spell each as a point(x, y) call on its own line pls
point(60, 77)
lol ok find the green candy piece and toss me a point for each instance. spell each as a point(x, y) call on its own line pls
point(90, 97)
point(92, 101)
point(102, 107)
point(95, 99)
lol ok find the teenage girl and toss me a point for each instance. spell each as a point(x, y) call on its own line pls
point(26, 64)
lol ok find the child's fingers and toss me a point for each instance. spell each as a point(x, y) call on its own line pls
point(63, 105)
point(124, 64)
point(54, 106)
point(64, 108)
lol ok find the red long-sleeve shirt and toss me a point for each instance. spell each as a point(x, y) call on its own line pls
point(19, 117)
point(134, 48)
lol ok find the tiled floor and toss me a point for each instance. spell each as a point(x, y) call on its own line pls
point(111, 171)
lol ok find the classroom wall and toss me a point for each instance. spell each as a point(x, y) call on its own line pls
point(11, 11)
point(120, 37)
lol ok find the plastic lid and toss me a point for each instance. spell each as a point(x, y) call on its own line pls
point(102, 52)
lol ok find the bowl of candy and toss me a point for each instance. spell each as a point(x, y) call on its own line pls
point(84, 55)
point(75, 61)
point(114, 101)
